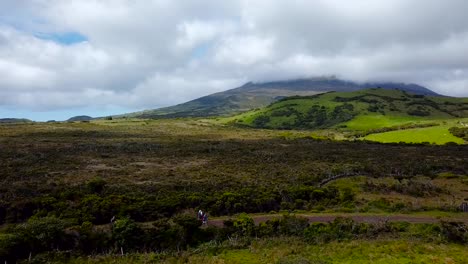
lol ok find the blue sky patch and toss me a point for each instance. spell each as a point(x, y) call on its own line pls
point(67, 38)
point(201, 50)
point(61, 115)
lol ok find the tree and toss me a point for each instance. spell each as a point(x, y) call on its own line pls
point(189, 228)
point(127, 234)
point(245, 225)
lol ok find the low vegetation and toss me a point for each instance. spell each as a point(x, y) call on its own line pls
point(61, 183)
point(48, 240)
point(461, 132)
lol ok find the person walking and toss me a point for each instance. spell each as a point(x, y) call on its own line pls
point(200, 215)
point(205, 218)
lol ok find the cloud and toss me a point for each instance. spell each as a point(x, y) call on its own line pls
point(194, 33)
point(245, 50)
point(156, 53)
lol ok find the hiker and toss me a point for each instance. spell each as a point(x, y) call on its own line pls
point(200, 215)
point(205, 218)
point(112, 222)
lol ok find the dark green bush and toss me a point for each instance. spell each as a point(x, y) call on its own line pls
point(291, 225)
point(35, 236)
point(261, 121)
point(455, 232)
point(244, 225)
point(340, 229)
point(127, 234)
point(96, 185)
point(460, 132)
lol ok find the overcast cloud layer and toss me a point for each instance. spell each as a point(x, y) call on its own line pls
point(126, 54)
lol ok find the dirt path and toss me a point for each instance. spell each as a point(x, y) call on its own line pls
point(324, 218)
point(416, 219)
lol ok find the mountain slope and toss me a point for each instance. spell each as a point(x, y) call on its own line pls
point(255, 95)
point(360, 110)
point(80, 118)
point(14, 120)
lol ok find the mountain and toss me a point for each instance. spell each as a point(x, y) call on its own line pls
point(358, 110)
point(14, 120)
point(256, 95)
point(80, 118)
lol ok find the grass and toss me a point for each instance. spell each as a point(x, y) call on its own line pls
point(435, 135)
point(454, 192)
point(398, 251)
point(372, 121)
point(290, 250)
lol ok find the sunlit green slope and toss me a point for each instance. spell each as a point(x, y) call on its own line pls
point(360, 111)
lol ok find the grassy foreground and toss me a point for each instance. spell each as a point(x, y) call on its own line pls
point(290, 250)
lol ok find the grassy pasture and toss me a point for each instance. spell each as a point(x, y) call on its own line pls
point(372, 121)
point(433, 135)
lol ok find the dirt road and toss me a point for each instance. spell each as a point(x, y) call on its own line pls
point(358, 218)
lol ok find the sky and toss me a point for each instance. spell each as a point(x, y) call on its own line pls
point(61, 58)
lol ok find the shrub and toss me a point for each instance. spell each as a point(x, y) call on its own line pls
point(11, 248)
point(163, 236)
point(35, 236)
point(244, 225)
point(346, 228)
point(189, 229)
point(91, 241)
point(292, 225)
point(460, 132)
point(127, 234)
point(455, 232)
point(340, 229)
point(419, 111)
point(96, 185)
point(261, 121)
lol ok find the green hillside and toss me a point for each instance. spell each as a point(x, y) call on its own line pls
point(256, 95)
point(360, 113)
point(14, 120)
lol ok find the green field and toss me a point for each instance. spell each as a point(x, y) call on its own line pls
point(373, 121)
point(433, 135)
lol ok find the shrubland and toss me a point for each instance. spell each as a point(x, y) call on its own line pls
point(182, 237)
point(61, 183)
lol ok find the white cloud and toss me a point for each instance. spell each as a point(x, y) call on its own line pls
point(245, 50)
point(20, 77)
point(193, 33)
point(158, 88)
point(147, 54)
